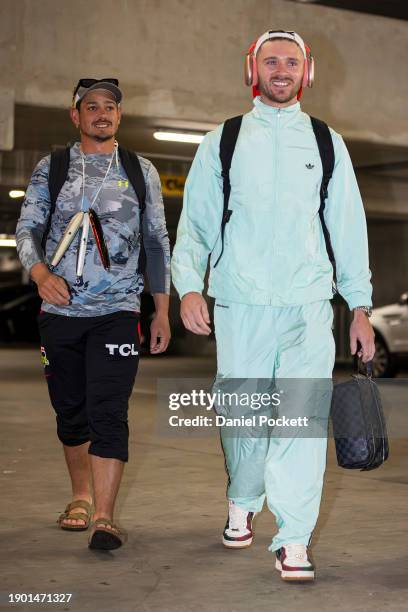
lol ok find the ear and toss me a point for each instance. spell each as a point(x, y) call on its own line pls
point(74, 114)
point(119, 113)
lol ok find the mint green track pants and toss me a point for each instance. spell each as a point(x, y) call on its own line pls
point(291, 347)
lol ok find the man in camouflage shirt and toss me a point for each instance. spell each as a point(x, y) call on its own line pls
point(88, 322)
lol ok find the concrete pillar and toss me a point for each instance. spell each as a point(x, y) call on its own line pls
point(6, 119)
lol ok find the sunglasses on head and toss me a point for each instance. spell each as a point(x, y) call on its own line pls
point(89, 82)
point(281, 32)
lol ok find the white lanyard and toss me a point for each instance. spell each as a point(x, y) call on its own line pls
point(115, 152)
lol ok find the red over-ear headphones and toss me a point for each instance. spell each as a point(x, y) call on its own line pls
point(250, 68)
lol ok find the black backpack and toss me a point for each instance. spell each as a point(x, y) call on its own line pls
point(59, 166)
point(228, 141)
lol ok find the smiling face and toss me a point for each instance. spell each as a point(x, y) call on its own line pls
point(98, 116)
point(280, 66)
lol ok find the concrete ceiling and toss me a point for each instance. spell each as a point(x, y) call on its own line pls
point(397, 9)
point(38, 130)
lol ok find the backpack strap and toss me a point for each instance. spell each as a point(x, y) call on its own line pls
point(324, 140)
point(133, 169)
point(326, 151)
point(229, 137)
point(59, 165)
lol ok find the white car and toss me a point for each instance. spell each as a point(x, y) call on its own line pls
point(390, 324)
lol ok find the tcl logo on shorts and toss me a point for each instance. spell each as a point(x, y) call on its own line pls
point(124, 349)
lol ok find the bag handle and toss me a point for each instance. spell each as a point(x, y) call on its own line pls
point(369, 369)
point(359, 366)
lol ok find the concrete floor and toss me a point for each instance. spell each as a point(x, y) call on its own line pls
point(172, 503)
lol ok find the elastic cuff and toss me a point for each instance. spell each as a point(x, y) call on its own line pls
point(183, 293)
point(296, 540)
point(254, 504)
point(359, 300)
point(188, 287)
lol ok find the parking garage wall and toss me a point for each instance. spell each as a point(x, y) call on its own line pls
point(182, 59)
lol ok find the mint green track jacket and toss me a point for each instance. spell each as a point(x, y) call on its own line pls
point(274, 249)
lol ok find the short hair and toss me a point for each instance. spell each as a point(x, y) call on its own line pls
point(280, 38)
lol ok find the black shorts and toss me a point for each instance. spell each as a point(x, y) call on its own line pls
point(90, 364)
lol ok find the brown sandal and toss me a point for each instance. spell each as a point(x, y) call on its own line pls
point(76, 516)
point(103, 538)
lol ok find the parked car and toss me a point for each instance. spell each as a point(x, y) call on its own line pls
point(19, 307)
point(390, 324)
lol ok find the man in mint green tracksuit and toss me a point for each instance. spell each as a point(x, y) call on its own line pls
point(273, 285)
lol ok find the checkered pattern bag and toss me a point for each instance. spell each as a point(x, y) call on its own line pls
point(359, 427)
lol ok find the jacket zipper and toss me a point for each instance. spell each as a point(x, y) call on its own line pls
point(275, 186)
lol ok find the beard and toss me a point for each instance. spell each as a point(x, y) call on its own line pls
point(102, 138)
point(280, 95)
point(99, 137)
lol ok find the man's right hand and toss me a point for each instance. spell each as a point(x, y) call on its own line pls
point(51, 287)
point(194, 313)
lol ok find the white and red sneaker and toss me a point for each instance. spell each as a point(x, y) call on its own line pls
point(293, 562)
point(238, 529)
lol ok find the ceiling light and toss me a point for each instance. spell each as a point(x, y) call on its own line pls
point(7, 241)
point(16, 193)
point(179, 137)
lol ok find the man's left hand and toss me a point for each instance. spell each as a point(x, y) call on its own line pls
point(361, 331)
point(159, 334)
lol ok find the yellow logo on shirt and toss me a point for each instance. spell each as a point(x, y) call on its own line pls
point(123, 184)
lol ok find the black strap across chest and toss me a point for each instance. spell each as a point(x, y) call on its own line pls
point(59, 166)
point(324, 140)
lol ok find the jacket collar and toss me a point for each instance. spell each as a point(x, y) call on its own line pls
point(264, 111)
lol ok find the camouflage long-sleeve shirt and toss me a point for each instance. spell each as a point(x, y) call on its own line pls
point(99, 291)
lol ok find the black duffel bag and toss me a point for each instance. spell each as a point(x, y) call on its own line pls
point(359, 428)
